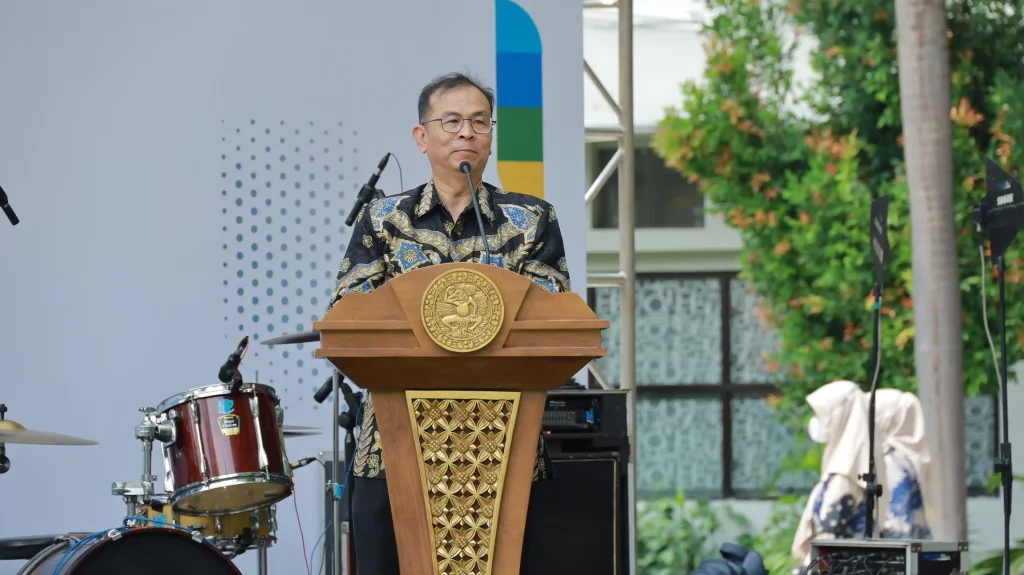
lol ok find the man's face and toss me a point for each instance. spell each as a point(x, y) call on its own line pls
point(461, 109)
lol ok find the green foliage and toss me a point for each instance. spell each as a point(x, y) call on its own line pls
point(795, 169)
point(993, 564)
point(674, 535)
point(775, 540)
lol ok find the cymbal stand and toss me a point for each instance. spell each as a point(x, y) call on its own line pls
point(135, 491)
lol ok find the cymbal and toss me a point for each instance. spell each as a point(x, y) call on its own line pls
point(15, 433)
point(300, 337)
point(299, 431)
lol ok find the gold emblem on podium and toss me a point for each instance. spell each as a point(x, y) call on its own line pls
point(462, 310)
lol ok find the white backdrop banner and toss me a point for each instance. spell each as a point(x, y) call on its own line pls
point(183, 171)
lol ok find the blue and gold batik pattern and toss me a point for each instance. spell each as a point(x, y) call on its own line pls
point(401, 233)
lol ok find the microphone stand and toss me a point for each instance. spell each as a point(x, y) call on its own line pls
point(1001, 212)
point(879, 241)
point(334, 487)
point(1004, 463)
point(873, 491)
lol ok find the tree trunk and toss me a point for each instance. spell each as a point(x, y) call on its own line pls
point(938, 345)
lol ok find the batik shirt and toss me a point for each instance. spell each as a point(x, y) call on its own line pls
point(405, 232)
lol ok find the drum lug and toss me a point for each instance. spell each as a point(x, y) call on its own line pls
point(255, 406)
point(114, 534)
point(197, 537)
point(204, 465)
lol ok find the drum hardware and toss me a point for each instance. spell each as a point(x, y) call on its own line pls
point(232, 534)
point(152, 428)
point(255, 407)
point(261, 561)
point(204, 464)
point(14, 432)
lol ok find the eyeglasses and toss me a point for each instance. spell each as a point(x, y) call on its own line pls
point(452, 123)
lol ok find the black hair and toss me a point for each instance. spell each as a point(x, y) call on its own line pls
point(448, 82)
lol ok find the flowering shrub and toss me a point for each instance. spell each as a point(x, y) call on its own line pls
point(798, 186)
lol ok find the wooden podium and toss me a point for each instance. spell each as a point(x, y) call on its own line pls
point(459, 358)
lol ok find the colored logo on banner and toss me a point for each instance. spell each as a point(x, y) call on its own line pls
point(520, 102)
point(226, 406)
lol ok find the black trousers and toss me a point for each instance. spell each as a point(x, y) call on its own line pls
point(373, 530)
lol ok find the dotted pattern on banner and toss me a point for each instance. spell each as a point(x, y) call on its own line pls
point(284, 236)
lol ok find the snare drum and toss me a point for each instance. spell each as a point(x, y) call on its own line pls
point(230, 533)
point(148, 550)
point(227, 455)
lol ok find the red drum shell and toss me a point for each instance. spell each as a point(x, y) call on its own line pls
point(230, 438)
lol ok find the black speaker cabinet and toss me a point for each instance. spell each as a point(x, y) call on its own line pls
point(577, 520)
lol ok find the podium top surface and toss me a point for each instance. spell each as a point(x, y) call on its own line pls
point(464, 313)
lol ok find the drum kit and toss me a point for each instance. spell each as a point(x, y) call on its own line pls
point(226, 469)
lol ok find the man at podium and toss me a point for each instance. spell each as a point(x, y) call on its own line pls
point(432, 224)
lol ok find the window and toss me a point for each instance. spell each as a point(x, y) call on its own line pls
point(664, 198)
point(703, 423)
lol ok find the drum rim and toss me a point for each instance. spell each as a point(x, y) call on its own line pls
point(233, 479)
point(212, 390)
point(122, 532)
point(47, 552)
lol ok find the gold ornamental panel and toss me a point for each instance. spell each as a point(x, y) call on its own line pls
point(462, 310)
point(464, 440)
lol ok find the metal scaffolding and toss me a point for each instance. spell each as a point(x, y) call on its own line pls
point(624, 279)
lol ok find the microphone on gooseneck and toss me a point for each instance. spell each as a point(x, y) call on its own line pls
point(229, 371)
point(367, 193)
point(465, 167)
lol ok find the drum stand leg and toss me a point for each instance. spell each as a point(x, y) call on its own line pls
point(261, 561)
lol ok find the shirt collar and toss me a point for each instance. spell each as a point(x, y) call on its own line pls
point(430, 200)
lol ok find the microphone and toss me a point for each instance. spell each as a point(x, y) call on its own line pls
point(7, 209)
point(368, 192)
point(302, 462)
point(325, 390)
point(229, 371)
point(465, 167)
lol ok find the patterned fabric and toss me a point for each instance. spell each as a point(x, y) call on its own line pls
point(401, 233)
point(834, 510)
point(906, 518)
point(839, 509)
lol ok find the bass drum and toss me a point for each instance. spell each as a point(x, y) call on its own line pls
point(149, 550)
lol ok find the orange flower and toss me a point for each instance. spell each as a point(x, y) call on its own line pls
point(782, 247)
point(804, 218)
point(759, 180)
point(831, 169)
point(964, 116)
